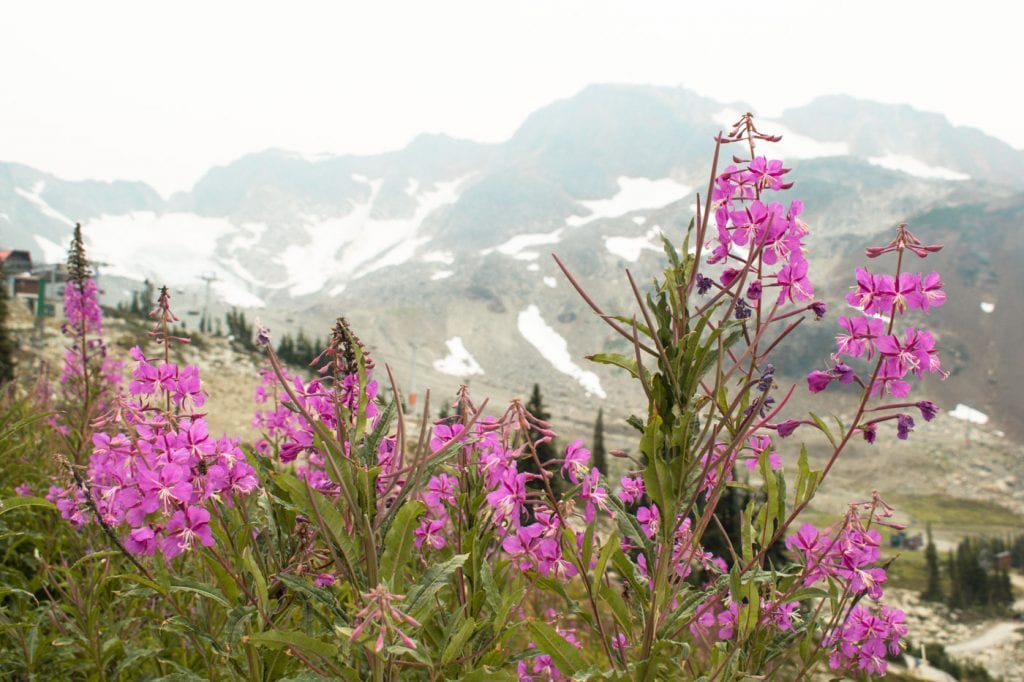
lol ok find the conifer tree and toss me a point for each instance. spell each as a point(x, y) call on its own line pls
point(933, 588)
point(6, 340)
point(545, 451)
point(597, 449)
point(955, 599)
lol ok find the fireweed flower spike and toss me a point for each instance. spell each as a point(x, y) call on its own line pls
point(422, 549)
point(156, 469)
point(882, 299)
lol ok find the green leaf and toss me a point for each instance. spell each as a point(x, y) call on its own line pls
point(458, 641)
point(611, 545)
point(626, 363)
point(564, 655)
point(12, 503)
point(823, 427)
point(491, 592)
point(200, 588)
point(304, 586)
point(418, 601)
point(618, 606)
point(399, 543)
point(258, 579)
point(281, 639)
point(107, 553)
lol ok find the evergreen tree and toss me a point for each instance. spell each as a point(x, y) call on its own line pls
point(6, 340)
point(545, 451)
point(597, 450)
point(955, 598)
point(146, 299)
point(933, 589)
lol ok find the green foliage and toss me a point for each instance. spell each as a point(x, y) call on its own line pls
point(7, 344)
point(933, 588)
point(976, 581)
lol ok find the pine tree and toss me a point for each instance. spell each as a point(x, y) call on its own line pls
point(6, 341)
point(933, 589)
point(146, 299)
point(955, 598)
point(597, 450)
point(545, 451)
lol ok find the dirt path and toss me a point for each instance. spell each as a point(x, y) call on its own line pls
point(993, 636)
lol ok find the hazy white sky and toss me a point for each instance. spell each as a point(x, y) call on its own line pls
point(162, 91)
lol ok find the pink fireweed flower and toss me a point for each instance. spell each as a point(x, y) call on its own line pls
point(907, 292)
point(23, 490)
point(860, 337)
point(523, 545)
point(818, 381)
point(594, 495)
point(874, 293)
point(648, 518)
point(170, 485)
point(429, 533)
point(141, 541)
point(759, 444)
point(577, 460)
point(793, 282)
point(932, 295)
point(441, 490)
point(82, 308)
point(767, 174)
point(632, 490)
point(188, 392)
point(444, 434)
point(324, 580)
point(184, 528)
point(620, 643)
point(551, 562)
point(510, 496)
point(915, 354)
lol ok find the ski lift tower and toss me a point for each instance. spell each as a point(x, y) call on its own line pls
point(209, 278)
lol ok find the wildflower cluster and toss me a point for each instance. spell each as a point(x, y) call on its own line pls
point(90, 379)
point(759, 241)
point(881, 299)
point(846, 557)
point(156, 470)
point(374, 553)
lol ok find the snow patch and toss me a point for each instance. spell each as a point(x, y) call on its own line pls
point(235, 294)
point(916, 167)
point(516, 246)
point(630, 248)
point(639, 219)
point(550, 281)
point(635, 194)
point(458, 362)
point(969, 414)
point(442, 257)
point(793, 145)
point(136, 246)
point(357, 244)
point(987, 307)
point(441, 274)
point(52, 251)
point(555, 350)
point(412, 186)
point(44, 208)
point(533, 267)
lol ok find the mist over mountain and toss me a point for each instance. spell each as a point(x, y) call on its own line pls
point(439, 252)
